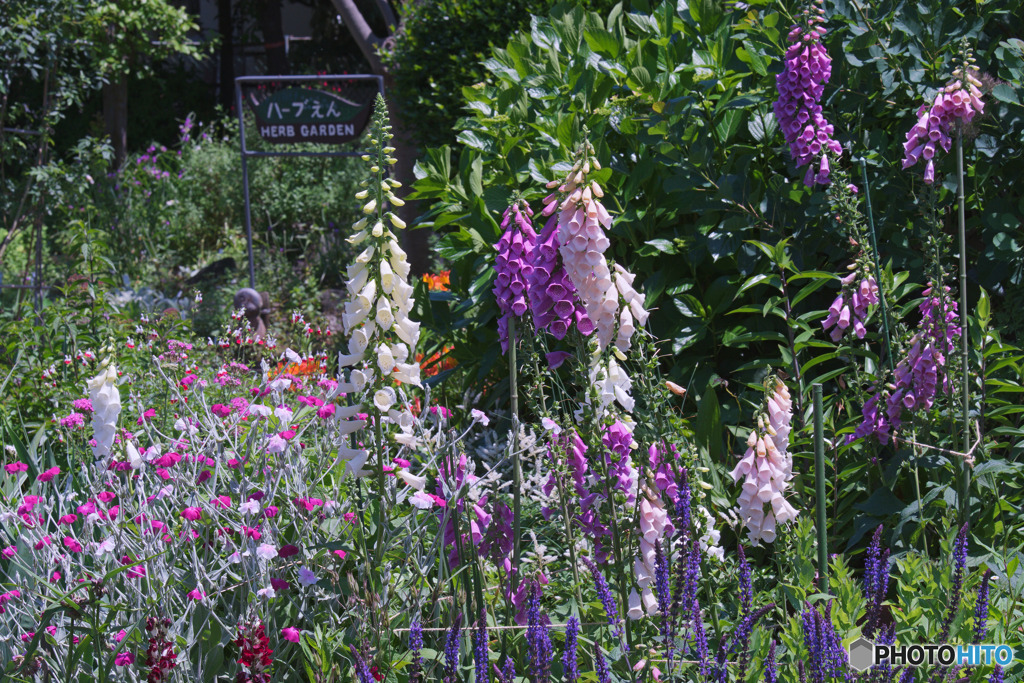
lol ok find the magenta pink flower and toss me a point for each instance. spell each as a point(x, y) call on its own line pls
point(553, 300)
point(82, 405)
point(49, 474)
point(850, 308)
point(124, 659)
point(15, 467)
point(290, 633)
point(73, 421)
point(196, 594)
point(220, 410)
point(72, 544)
point(918, 375)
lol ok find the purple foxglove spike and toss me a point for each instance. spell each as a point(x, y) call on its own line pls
point(514, 250)
point(800, 86)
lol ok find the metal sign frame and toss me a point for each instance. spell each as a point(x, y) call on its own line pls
point(246, 152)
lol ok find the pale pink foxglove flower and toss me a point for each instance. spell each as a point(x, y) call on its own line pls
point(766, 467)
point(636, 609)
point(654, 527)
point(582, 220)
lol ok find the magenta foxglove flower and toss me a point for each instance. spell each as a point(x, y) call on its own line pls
point(850, 308)
point(959, 101)
point(553, 301)
point(513, 266)
point(798, 110)
point(766, 469)
point(917, 376)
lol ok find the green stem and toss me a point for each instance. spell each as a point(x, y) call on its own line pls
point(517, 465)
point(378, 549)
point(920, 511)
point(569, 540)
point(819, 483)
point(874, 256)
point(965, 473)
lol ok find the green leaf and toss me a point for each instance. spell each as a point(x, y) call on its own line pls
point(807, 290)
point(642, 76)
point(761, 279)
point(602, 40)
point(708, 429)
point(762, 126)
point(728, 125)
point(662, 245)
point(1005, 93)
point(755, 59)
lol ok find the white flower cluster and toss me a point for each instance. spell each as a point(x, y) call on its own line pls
point(381, 336)
point(106, 407)
point(613, 386)
point(711, 537)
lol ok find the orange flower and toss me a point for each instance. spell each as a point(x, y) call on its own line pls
point(311, 367)
point(439, 361)
point(438, 282)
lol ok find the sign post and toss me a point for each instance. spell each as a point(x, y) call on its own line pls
point(297, 114)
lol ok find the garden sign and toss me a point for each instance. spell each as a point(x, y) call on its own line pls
point(308, 115)
point(298, 113)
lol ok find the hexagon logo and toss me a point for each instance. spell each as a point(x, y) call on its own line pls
point(862, 654)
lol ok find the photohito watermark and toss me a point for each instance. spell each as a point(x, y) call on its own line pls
point(865, 653)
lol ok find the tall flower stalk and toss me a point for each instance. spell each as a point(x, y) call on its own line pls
point(381, 336)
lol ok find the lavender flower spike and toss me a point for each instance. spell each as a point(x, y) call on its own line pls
point(416, 645)
point(771, 670)
point(981, 608)
point(538, 639)
point(451, 651)
point(570, 667)
point(959, 571)
point(604, 593)
point(480, 658)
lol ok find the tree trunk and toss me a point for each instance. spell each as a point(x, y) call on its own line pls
point(273, 38)
point(416, 243)
point(115, 117)
point(227, 54)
